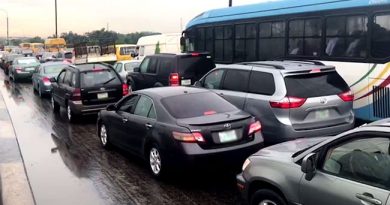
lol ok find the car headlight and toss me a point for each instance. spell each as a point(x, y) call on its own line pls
point(246, 163)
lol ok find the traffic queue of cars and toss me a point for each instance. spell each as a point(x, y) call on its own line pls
point(179, 110)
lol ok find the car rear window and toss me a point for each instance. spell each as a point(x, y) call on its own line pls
point(98, 78)
point(196, 105)
point(68, 55)
point(196, 66)
point(315, 85)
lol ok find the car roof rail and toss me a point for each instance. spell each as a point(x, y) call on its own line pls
point(263, 64)
point(313, 62)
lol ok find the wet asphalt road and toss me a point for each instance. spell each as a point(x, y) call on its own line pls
point(65, 163)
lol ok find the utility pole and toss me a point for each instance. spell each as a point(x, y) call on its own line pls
point(55, 5)
point(230, 3)
point(6, 13)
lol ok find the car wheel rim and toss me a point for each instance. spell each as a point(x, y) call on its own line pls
point(155, 161)
point(69, 112)
point(267, 202)
point(103, 135)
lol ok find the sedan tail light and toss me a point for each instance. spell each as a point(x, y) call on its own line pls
point(347, 96)
point(46, 81)
point(188, 137)
point(76, 95)
point(254, 127)
point(288, 102)
point(125, 89)
point(174, 79)
point(18, 69)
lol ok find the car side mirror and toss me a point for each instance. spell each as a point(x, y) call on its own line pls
point(308, 165)
point(136, 69)
point(111, 107)
point(53, 80)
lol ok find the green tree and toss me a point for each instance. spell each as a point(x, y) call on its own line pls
point(157, 51)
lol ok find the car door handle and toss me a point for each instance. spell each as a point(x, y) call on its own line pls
point(124, 120)
point(148, 126)
point(366, 197)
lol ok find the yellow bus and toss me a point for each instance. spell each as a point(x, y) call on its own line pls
point(123, 51)
point(55, 44)
point(36, 47)
point(25, 45)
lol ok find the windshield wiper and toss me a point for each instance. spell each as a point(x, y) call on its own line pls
point(109, 80)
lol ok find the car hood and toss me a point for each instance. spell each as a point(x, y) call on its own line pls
point(287, 149)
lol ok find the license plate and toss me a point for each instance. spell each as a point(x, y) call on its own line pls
point(322, 114)
point(186, 82)
point(102, 95)
point(228, 136)
point(30, 69)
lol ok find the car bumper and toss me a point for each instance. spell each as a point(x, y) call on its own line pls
point(242, 187)
point(46, 89)
point(79, 109)
point(191, 154)
point(26, 75)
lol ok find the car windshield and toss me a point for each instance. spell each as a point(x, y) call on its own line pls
point(196, 105)
point(99, 77)
point(27, 61)
point(54, 69)
point(315, 85)
point(196, 66)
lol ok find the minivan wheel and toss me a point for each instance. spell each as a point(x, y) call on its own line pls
point(267, 197)
point(104, 139)
point(155, 161)
point(54, 105)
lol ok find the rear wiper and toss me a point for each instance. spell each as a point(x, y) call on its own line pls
point(109, 80)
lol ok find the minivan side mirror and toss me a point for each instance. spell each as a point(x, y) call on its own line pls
point(111, 107)
point(136, 69)
point(308, 165)
point(53, 80)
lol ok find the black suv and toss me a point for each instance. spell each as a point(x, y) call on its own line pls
point(170, 70)
point(86, 89)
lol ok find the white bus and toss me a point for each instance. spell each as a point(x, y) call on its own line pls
point(353, 35)
point(165, 43)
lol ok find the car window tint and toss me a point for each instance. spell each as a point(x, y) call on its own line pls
point(144, 65)
point(235, 80)
point(315, 85)
point(196, 66)
point(363, 160)
point(129, 67)
point(127, 104)
point(261, 83)
point(152, 66)
point(152, 113)
point(143, 106)
point(68, 77)
point(98, 78)
point(213, 80)
point(196, 105)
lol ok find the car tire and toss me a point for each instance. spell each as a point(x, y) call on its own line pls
point(267, 196)
point(55, 105)
point(104, 137)
point(70, 114)
point(40, 92)
point(156, 165)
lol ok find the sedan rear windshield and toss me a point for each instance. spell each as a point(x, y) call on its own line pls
point(315, 85)
point(27, 61)
point(96, 78)
point(196, 105)
point(196, 66)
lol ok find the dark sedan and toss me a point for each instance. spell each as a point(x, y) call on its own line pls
point(174, 126)
point(23, 68)
point(41, 78)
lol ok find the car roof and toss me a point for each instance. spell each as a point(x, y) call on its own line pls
point(54, 63)
point(90, 66)
point(163, 92)
point(380, 123)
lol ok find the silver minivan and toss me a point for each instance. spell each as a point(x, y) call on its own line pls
point(292, 99)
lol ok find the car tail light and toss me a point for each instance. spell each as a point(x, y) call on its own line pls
point(210, 112)
point(288, 102)
point(254, 127)
point(195, 54)
point(315, 70)
point(188, 137)
point(347, 96)
point(125, 89)
point(18, 69)
point(174, 79)
point(76, 95)
point(46, 81)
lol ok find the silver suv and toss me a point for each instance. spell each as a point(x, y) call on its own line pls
point(352, 168)
point(292, 99)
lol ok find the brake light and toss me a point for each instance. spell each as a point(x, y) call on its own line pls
point(211, 112)
point(195, 54)
point(288, 102)
point(254, 127)
point(347, 96)
point(316, 70)
point(188, 137)
point(125, 89)
point(174, 79)
point(18, 69)
point(46, 81)
point(76, 95)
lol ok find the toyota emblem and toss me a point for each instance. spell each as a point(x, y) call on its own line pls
point(323, 101)
point(102, 89)
point(227, 126)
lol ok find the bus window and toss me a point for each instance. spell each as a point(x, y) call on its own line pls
point(245, 43)
point(305, 37)
point(271, 40)
point(210, 40)
point(346, 36)
point(380, 44)
point(200, 40)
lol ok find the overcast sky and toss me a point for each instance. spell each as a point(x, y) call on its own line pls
point(36, 17)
